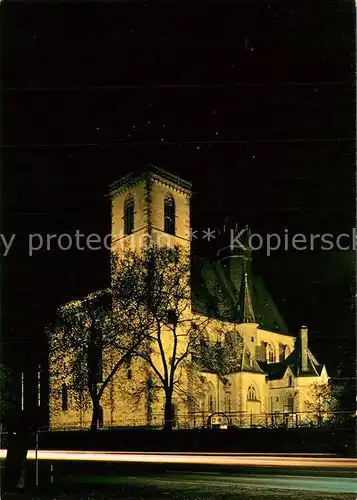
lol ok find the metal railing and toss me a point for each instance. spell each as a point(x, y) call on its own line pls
point(243, 420)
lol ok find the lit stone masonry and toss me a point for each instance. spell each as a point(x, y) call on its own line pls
point(246, 363)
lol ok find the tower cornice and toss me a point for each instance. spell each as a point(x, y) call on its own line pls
point(150, 172)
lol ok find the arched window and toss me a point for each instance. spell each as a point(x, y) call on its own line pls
point(169, 214)
point(129, 214)
point(271, 354)
point(64, 397)
point(211, 398)
point(252, 393)
point(282, 349)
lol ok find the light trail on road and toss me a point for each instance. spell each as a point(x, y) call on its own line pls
point(194, 458)
point(232, 483)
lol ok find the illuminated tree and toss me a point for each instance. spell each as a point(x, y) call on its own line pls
point(221, 357)
point(153, 295)
point(322, 399)
point(87, 348)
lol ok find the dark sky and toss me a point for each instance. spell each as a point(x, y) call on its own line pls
point(253, 102)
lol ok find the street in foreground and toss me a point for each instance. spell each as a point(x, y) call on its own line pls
point(255, 478)
point(130, 489)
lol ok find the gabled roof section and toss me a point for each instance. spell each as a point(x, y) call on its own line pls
point(277, 371)
point(235, 360)
point(248, 363)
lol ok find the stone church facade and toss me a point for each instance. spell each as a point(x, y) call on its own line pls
point(275, 368)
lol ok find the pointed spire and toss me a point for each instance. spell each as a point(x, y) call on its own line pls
point(249, 316)
point(245, 302)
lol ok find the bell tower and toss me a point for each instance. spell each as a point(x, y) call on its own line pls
point(150, 206)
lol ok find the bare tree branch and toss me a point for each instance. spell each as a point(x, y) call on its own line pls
point(155, 282)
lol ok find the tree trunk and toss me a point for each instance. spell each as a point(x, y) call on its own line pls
point(96, 416)
point(168, 412)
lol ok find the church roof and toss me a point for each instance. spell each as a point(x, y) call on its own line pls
point(229, 290)
point(277, 371)
point(248, 363)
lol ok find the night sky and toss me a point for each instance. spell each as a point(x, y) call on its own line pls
point(252, 102)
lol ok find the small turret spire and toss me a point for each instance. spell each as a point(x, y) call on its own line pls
point(249, 316)
point(245, 302)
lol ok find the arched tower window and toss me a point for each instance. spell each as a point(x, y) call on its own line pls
point(129, 214)
point(252, 393)
point(169, 214)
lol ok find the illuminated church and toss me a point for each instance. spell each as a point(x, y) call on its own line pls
point(275, 368)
